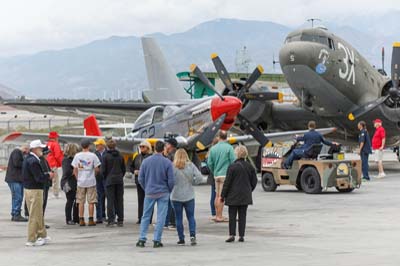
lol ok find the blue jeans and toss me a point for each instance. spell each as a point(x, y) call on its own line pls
point(189, 209)
point(17, 195)
point(170, 219)
point(212, 200)
point(101, 195)
point(364, 165)
point(295, 155)
point(162, 208)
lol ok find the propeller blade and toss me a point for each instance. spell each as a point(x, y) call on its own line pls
point(366, 108)
point(253, 77)
point(196, 70)
point(253, 130)
point(205, 139)
point(222, 72)
point(395, 65)
point(264, 96)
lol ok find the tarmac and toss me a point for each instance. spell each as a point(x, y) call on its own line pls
point(285, 227)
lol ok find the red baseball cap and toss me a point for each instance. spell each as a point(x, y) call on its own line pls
point(53, 135)
point(378, 121)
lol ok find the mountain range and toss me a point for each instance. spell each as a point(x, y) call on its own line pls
point(114, 67)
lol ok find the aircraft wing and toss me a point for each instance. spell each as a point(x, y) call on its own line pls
point(279, 136)
point(124, 144)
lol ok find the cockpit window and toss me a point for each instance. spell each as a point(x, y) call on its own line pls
point(294, 38)
point(152, 115)
point(315, 38)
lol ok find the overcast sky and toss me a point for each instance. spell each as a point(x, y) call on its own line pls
point(29, 26)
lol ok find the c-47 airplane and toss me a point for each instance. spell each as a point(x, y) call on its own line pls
point(335, 86)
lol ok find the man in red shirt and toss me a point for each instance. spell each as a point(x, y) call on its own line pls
point(378, 143)
point(55, 160)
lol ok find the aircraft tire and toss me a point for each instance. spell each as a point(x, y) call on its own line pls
point(268, 182)
point(310, 181)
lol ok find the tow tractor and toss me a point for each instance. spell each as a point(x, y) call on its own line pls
point(314, 173)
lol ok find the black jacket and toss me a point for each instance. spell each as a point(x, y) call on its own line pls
point(136, 163)
point(68, 173)
point(113, 167)
point(46, 169)
point(33, 174)
point(99, 176)
point(240, 181)
point(14, 168)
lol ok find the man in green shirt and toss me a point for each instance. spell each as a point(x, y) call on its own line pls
point(220, 157)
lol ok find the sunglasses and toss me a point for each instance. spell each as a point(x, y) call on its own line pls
point(142, 146)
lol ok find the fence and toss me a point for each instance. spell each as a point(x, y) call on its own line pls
point(61, 125)
point(49, 124)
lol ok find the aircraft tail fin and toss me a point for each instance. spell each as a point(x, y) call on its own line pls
point(164, 86)
point(91, 126)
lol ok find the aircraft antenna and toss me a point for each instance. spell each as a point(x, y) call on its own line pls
point(312, 21)
point(383, 59)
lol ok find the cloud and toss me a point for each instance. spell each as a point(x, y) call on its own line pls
point(30, 26)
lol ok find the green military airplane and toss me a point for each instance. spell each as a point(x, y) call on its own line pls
point(335, 85)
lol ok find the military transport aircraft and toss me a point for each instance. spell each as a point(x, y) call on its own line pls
point(335, 86)
point(334, 82)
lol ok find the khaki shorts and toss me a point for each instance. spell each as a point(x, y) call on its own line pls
point(378, 155)
point(219, 184)
point(86, 193)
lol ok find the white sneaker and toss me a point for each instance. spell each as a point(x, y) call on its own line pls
point(40, 242)
point(379, 176)
point(47, 239)
point(30, 244)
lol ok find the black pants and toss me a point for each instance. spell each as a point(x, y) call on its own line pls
point(115, 202)
point(45, 197)
point(140, 197)
point(71, 207)
point(235, 211)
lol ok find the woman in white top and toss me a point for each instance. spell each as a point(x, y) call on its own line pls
point(182, 196)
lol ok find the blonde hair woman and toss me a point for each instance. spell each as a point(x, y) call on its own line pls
point(68, 184)
point(182, 195)
point(241, 180)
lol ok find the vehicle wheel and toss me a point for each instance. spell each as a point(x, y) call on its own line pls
point(344, 190)
point(310, 181)
point(299, 188)
point(268, 182)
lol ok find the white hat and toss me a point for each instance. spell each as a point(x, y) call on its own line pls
point(36, 144)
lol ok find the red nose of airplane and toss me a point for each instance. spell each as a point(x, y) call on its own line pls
point(230, 106)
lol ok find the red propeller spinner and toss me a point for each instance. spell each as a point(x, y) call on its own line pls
point(229, 105)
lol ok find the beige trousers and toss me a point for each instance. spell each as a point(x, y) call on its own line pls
point(56, 182)
point(34, 202)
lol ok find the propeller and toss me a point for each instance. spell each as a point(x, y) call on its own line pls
point(222, 72)
point(393, 93)
point(253, 130)
point(197, 71)
point(274, 62)
point(224, 76)
point(264, 96)
point(205, 139)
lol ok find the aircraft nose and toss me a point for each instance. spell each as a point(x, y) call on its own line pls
point(231, 106)
point(296, 53)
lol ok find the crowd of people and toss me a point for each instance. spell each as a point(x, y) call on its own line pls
point(164, 177)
